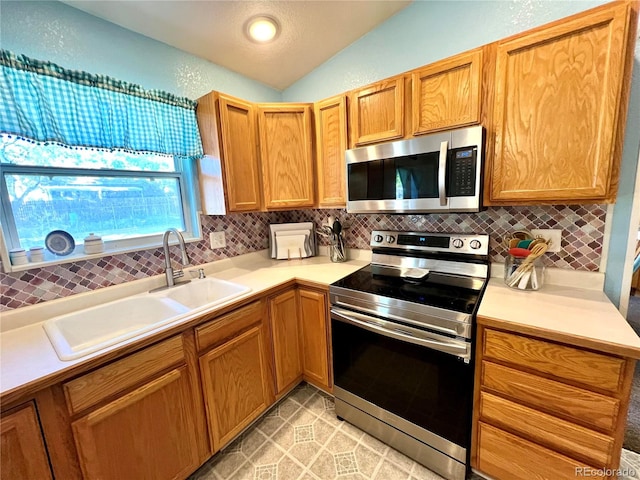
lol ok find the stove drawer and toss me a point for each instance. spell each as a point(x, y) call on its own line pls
point(497, 450)
point(566, 437)
point(592, 370)
point(582, 406)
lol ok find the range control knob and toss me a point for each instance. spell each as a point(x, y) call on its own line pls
point(378, 238)
point(391, 239)
point(458, 243)
point(475, 244)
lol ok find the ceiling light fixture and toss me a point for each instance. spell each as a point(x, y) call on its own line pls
point(262, 29)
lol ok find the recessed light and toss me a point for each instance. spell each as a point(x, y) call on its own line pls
point(262, 29)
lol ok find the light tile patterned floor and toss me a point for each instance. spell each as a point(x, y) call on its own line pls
point(301, 438)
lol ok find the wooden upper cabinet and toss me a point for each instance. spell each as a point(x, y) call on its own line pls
point(240, 161)
point(229, 135)
point(286, 155)
point(447, 93)
point(331, 143)
point(23, 455)
point(559, 109)
point(376, 112)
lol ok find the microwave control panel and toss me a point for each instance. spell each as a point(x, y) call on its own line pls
point(462, 172)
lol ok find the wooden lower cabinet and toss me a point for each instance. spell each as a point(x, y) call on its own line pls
point(147, 433)
point(235, 380)
point(505, 456)
point(283, 314)
point(314, 336)
point(546, 410)
point(235, 370)
point(22, 451)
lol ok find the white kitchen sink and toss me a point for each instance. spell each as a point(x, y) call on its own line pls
point(80, 333)
point(205, 293)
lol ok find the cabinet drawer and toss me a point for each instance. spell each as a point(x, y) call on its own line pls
point(592, 447)
point(227, 326)
point(121, 375)
point(498, 449)
point(595, 370)
point(582, 406)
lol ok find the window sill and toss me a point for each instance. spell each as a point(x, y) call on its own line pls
point(110, 249)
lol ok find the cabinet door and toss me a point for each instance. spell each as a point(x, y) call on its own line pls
point(283, 312)
point(556, 109)
point(22, 448)
point(447, 93)
point(313, 326)
point(286, 155)
point(376, 112)
point(148, 433)
point(331, 142)
point(235, 379)
point(239, 154)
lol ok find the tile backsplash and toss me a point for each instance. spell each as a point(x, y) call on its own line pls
point(582, 225)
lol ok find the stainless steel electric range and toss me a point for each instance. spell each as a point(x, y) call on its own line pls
point(402, 330)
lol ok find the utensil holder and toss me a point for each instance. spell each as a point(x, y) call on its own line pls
point(523, 274)
point(337, 251)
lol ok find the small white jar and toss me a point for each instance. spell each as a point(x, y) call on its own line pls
point(36, 254)
point(18, 256)
point(93, 244)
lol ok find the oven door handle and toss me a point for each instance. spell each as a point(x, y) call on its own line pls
point(450, 331)
point(377, 326)
point(442, 172)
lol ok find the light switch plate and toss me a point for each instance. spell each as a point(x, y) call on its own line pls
point(217, 240)
point(554, 235)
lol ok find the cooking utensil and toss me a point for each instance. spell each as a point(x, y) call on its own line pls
point(524, 243)
point(527, 265)
point(519, 252)
point(337, 228)
point(534, 279)
point(524, 280)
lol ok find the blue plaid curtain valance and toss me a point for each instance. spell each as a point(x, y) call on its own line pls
point(47, 103)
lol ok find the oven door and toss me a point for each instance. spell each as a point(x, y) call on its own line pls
point(423, 379)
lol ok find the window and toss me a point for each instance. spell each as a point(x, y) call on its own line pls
point(87, 153)
point(129, 199)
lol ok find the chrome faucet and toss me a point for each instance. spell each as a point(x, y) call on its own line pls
point(168, 270)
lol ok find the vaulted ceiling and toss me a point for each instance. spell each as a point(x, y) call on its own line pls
point(311, 31)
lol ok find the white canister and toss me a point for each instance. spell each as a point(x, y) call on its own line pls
point(93, 244)
point(18, 256)
point(36, 254)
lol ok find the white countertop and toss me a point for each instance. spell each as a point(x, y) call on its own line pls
point(579, 316)
point(27, 356)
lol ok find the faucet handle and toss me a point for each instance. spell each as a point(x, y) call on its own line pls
point(201, 273)
point(178, 273)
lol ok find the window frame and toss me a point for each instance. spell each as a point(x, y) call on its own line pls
point(185, 172)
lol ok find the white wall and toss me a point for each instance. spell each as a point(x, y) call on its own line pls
point(73, 39)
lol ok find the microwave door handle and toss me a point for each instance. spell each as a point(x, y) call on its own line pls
point(373, 325)
point(442, 172)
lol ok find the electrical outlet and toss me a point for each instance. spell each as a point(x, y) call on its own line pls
point(555, 236)
point(217, 240)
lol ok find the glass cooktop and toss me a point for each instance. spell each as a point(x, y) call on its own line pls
point(446, 291)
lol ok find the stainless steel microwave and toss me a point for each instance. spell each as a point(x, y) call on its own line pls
point(441, 172)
